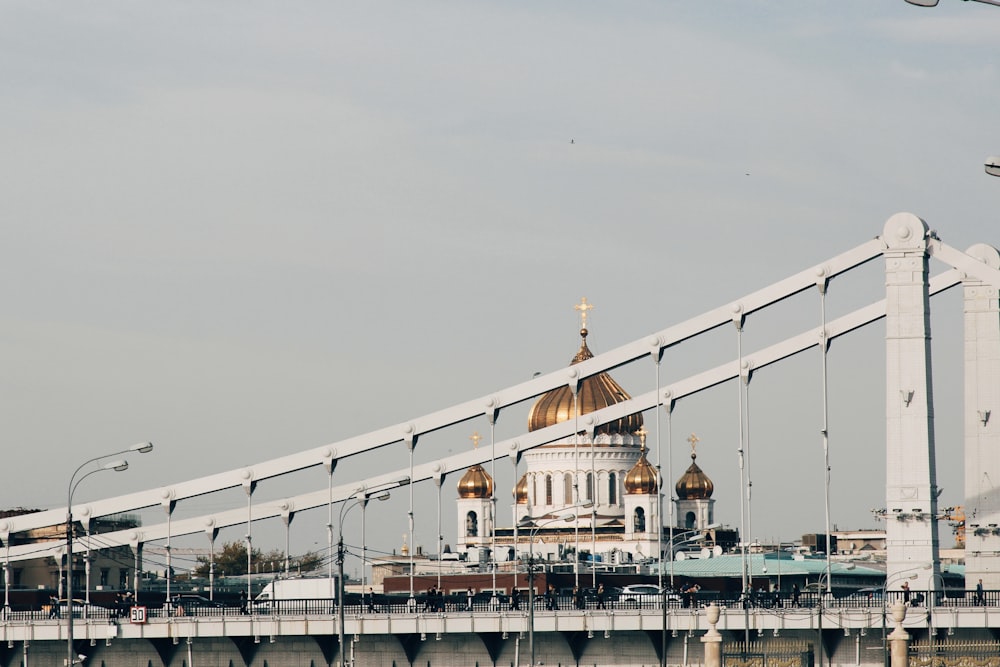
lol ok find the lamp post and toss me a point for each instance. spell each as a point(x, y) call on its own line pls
point(118, 466)
point(344, 509)
point(677, 541)
point(528, 522)
point(819, 610)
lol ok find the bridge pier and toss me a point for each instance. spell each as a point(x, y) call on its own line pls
point(911, 478)
point(981, 308)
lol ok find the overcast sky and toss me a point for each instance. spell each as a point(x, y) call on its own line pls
point(245, 229)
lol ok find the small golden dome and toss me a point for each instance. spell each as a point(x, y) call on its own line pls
point(642, 478)
point(694, 484)
point(475, 483)
point(595, 393)
point(521, 490)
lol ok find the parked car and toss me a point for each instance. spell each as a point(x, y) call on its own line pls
point(188, 604)
point(78, 606)
point(864, 597)
point(645, 595)
point(611, 594)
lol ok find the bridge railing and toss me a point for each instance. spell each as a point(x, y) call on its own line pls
point(484, 603)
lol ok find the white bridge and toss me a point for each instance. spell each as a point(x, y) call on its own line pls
point(907, 248)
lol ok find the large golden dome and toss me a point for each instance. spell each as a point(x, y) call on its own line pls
point(475, 483)
point(595, 392)
point(694, 484)
point(642, 478)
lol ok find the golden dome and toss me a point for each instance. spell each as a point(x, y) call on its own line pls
point(475, 483)
point(521, 490)
point(595, 393)
point(694, 484)
point(642, 478)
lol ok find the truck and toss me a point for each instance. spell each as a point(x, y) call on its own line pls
point(304, 595)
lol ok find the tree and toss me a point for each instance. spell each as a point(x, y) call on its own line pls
point(232, 560)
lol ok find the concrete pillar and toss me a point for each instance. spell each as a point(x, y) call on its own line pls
point(899, 640)
point(712, 640)
point(911, 480)
point(982, 435)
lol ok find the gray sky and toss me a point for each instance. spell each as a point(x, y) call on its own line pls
point(243, 229)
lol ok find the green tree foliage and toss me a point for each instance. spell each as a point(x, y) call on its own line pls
point(231, 560)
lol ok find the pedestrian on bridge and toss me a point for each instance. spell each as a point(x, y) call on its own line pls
point(551, 601)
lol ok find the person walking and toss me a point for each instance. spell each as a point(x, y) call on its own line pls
point(469, 594)
point(777, 597)
point(906, 593)
point(578, 602)
point(600, 596)
point(980, 594)
point(692, 595)
point(551, 603)
point(515, 600)
point(795, 596)
point(370, 603)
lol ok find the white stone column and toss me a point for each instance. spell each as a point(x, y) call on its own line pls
point(911, 480)
point(712, 639)
point(899, 640)
point(982, 435)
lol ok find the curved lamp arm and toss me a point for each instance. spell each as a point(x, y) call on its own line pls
point(933, 3)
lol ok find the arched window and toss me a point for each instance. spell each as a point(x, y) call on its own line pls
point(568, 489)
point(689, 520)
point(548, 489)
point(590, 486)
point(471, 525)
point(640, 520)
point(612, 489)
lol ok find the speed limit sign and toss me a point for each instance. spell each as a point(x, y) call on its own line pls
point(137, 614)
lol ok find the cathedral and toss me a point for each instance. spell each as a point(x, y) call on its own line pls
point(596, 497)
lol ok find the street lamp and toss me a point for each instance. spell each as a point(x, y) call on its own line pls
point(526, 522)
point(933, 3)
point(993, 165)
point(344, 509)
point(117, 466)
point(677, 541)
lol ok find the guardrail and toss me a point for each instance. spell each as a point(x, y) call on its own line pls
point(484, 603)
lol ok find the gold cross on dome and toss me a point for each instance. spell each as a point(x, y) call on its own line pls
point(583, 307)
point(694, 440)
point(475, 438)
point(642, 436)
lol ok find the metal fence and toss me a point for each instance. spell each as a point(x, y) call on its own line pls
point(787, 653)
point(947, 653)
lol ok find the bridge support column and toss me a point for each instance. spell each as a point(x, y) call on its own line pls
point(911, 479)
point(982, 434)
point(712, 640)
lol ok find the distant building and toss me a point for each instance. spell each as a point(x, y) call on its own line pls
point(110, 568)
point(593, 497)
